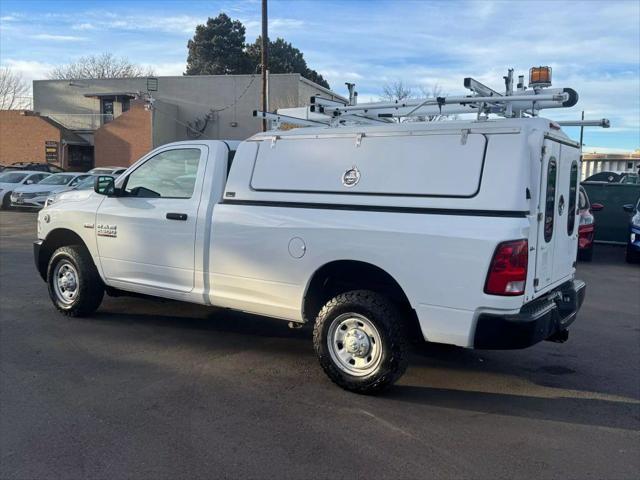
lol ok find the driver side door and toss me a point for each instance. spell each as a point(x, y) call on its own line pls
point(146, 234)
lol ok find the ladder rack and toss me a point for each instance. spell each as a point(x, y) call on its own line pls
point(484, 101)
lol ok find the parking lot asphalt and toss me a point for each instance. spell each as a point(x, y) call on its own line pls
point(165, 390)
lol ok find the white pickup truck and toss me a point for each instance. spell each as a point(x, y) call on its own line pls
point(460, 232)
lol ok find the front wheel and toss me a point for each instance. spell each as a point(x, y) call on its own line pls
point(360, 341)
point(75, 287)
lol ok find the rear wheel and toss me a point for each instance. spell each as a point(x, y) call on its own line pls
point(75, 287)
point(6, 201)
point(586, 255)
point(360, 341)
point(631, 256)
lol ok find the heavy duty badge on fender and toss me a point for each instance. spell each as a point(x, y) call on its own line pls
point(104, 230)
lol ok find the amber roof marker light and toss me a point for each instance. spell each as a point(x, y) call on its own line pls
point(540, 77)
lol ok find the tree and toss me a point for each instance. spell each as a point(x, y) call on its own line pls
point(284, 58)
point(218, 48)
point(14, 91)
point(399, 91)
point(396, 92)
point(105, 65)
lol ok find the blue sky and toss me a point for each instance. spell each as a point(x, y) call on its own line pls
point(593, 47)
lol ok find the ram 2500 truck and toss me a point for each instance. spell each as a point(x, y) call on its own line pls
point(461, 232)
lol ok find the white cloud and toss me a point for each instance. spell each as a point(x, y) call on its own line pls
point(84, 26)
point(30, 70)
point(58, 38)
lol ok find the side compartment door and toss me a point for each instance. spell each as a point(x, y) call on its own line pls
point(547, 214)
point(566, 234)
point(146, 234)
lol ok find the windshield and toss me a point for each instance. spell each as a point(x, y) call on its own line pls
point(87, 183)
point(12, 177)
point(56, 180)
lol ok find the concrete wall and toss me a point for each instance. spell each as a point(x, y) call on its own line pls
point(165, 128)
point(125, 139)
point(232, 97)
point(16, 128)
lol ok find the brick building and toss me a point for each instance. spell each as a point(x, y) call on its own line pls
point(29, 137)
point(115, 121)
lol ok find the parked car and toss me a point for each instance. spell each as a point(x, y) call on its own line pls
point(366, 232)
point(80, 191)
point(11, 179)
point(116, 171)
point(36, 195)
point(608, 177)
point(587, 225)
point(633, 242)
point(35, 166)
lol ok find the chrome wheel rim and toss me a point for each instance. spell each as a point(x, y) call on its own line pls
point(65, 282)
point(355, 345)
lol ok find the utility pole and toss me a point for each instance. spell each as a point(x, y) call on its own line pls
point(265, 63)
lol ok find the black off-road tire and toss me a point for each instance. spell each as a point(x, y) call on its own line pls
point(585, 255)
point(387, 319)
point(630, 256)
point(90, 287)
point(6, 201)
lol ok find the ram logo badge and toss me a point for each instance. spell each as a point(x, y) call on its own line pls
point(351, 177)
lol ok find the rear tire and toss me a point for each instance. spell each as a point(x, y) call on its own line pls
point(586, 255)
point(630, 256)
point(6, 201)
point(75, 287)
point(360, 341)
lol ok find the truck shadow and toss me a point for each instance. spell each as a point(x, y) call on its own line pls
point(439, 376)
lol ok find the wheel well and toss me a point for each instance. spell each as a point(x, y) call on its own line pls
point(344, 275)
point(60, 237)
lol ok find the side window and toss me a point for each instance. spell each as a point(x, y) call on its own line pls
point(573, 190)
point(550, 201)
point(170, 174)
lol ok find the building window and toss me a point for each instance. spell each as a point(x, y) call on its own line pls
point(107, 110)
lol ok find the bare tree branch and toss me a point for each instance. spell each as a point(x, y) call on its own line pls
point(396, 91)
point(105, 65)
point(399, 91)
point(14, 91)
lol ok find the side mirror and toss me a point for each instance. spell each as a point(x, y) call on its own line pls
point(104, 186)
point(629, 207)
point(596, 207)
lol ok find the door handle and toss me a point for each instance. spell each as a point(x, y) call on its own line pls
point(176, 216)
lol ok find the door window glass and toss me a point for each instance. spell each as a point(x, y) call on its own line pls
point(170, 174)
point(573, 190)
point(550, 201)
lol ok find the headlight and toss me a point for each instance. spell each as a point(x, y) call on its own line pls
point(635, 220)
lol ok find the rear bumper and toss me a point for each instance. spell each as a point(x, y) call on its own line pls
point(538, 320)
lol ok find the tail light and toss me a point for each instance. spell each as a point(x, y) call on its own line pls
point(508, 270)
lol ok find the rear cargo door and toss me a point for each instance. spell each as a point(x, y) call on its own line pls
point(557, 226)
